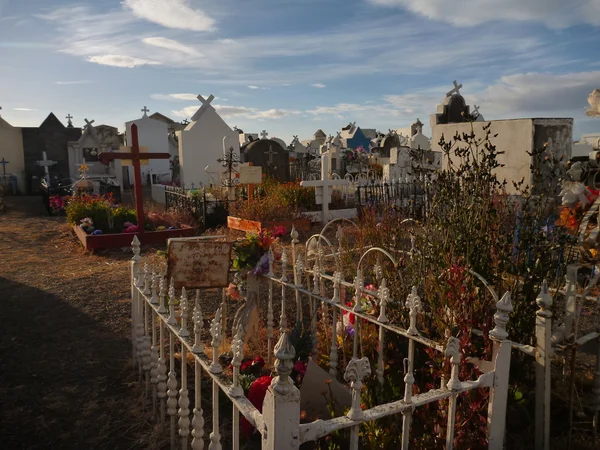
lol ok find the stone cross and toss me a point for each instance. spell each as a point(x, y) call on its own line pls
point(45, 163)
point(264, 134)
point(4, 163)
point(454, 90)
point(69, 117)
point(476, 112)
point(270, 154)
point(145, 110)
point(88, 123)
point(323, 187)
point(136, 158)
point(205, 105)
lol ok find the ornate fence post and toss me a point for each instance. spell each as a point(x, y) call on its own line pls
point(281, 407)
point(501, 361)
point(543, 353)
point(135, 268)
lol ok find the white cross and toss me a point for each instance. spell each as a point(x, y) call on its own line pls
point(45, 163)
point(145, 110)
point(264, 134)
point(323, 187)
point(455, 89)
point(88, 123)
point(205, 105)
point(476, 111)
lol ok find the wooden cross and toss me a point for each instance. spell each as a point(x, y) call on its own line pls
point(264, 134)
point(45, 163)
point(69, 117)
point(88, 123)
point(324, 186)
point(204, 107)
point(4, 163)
point(135, 157)
point(455, 89)
point(145, 110)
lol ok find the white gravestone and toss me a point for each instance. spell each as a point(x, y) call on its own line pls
point(324, 186)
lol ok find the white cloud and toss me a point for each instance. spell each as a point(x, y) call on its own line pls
point(121, 61)
point(171, 97)
point(74, 82)
point(553, 13)
point(343, 109)
point(172, 45)
point(227, 111)
point(318, 85)
point(171, 14)
point(253, 87)
point(24, 109)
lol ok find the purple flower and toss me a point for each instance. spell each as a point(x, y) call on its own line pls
point(350, 330)
point(262, 266)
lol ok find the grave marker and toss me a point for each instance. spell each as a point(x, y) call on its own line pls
point(135, 157)
point(324, 186)
point(4, 163)
point(45, 163)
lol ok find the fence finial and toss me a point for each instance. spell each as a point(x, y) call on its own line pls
point(294, 235)
point(413, 303)
point(358, 288)
point(198, 323)
point(161, 294)
point(316, 279)
point(544, 301)
point(453, 352)
point(172, 319)
point(183, 332)
point(285, 353)
point(135, 248)
point(215, 332)
point(147, 279)
point(237, 350)
point(154, 284)
point(337, 282)
point(383, 294)
point(355, 372)
point(299, 270)
point(503, 309)
point(271, 257)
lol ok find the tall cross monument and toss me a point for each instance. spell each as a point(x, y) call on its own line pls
point(136, 157)
point(45, 163)
point(324, 186)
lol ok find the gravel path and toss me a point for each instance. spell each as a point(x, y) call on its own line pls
point(65, 379)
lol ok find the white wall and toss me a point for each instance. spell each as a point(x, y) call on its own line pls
point(11, 149)
point(201, 144)
point(153, 134)
point(515, 138)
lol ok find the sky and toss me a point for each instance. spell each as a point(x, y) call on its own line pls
point(293, 66)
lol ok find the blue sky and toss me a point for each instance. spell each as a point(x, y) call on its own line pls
point(292, 66)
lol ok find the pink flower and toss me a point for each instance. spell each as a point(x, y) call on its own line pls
point(233, 292)
point(300, 367)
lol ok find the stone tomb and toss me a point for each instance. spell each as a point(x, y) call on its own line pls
point(202, 142)
point(153, 134)
point(11, 152)
point(271, 156)
point(53, 138)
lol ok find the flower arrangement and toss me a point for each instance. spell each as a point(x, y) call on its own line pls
point(252, 252)
point(356, 156)
point(58, 203)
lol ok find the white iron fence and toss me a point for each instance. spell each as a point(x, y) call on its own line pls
point(160, 315)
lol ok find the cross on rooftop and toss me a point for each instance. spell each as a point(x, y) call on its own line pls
point(45, 163)
point(205, 105)
point(185, 122)
point(455, 89)
point(476, 112)
point(264, 134)
point(88, 123)
point(4, 163)
point(69, 117)
point(145, 110)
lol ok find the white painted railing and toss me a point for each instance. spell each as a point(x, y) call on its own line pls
point(308, 290)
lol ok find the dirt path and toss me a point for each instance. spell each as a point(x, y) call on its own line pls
point(65, 380)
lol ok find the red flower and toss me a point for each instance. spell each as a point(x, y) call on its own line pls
point(300, 367)
point(256, 395)
point(258, 361)
point(245, 365)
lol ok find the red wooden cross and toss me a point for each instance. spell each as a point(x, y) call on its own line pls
point(135, 156)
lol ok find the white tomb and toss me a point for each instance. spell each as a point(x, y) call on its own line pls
point(153, 134)
point(202, 142)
